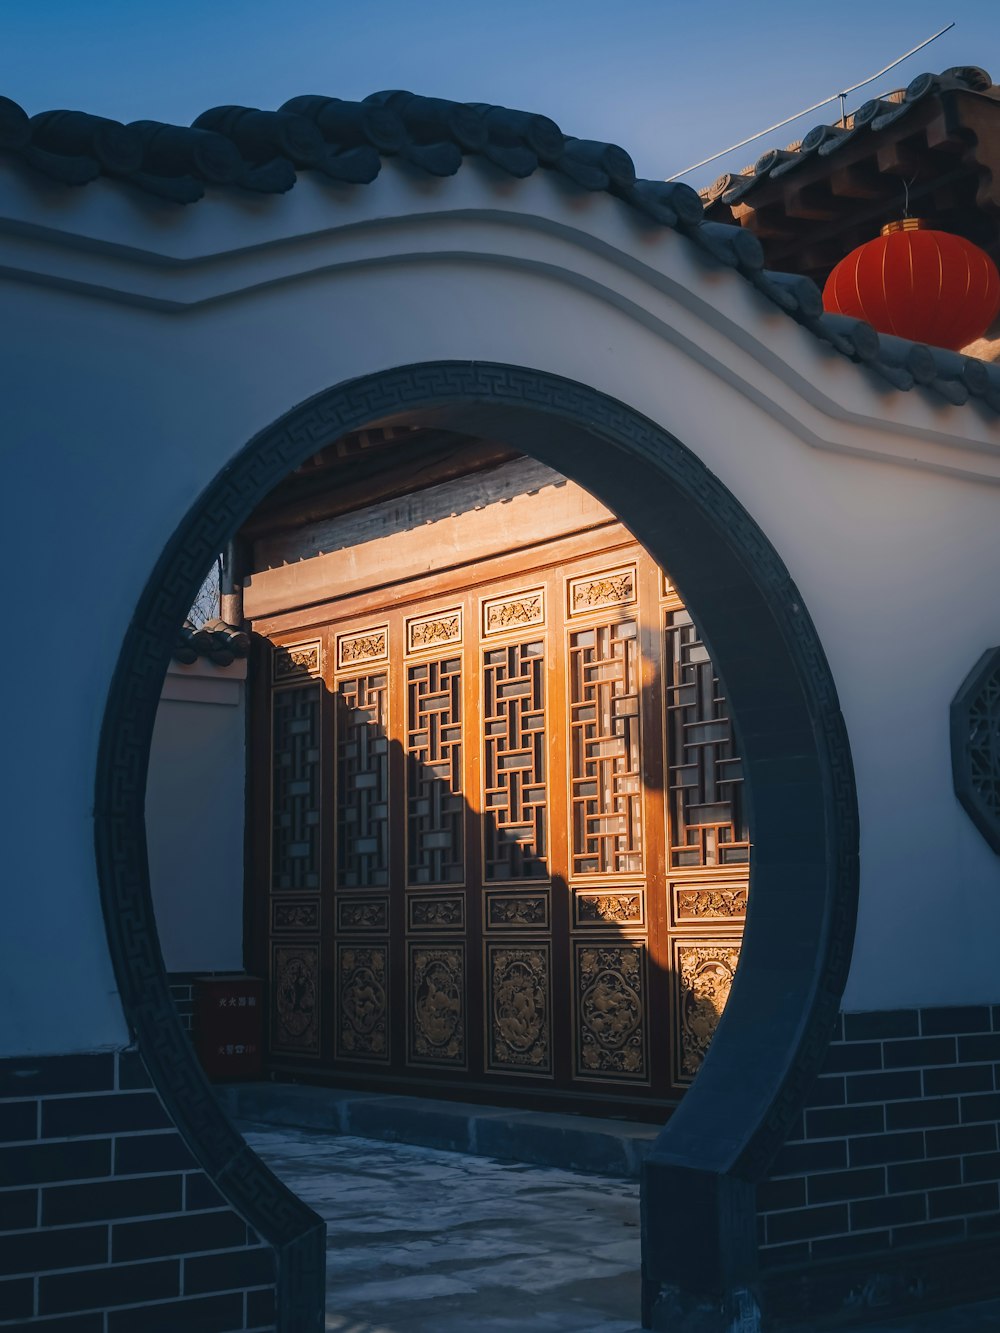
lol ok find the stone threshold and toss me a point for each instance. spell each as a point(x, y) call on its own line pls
point(541, 1138)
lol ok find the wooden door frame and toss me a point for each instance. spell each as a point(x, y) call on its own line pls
point(699, 1247)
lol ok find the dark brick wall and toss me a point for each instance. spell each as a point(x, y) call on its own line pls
point(107, 1224)
point(896, 1150)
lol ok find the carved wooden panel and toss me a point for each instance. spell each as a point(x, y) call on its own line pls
point(436, 1008)
point(502, 615)
point(295, 788)
point(596, 908)
point(435, 804)
point(363, 781)
point(362, 646)
point(616, 587)
point(517, 911)
point(514, 772)
point(363, 1002)
point(519, 1006)
point(435, 911)
point(611, 1010)
point(707, 819)
point(605, 754)
point(293, 660)
point(291, 915)
point(703, 976)
point(430, 631)
point(365, 915)
point(723, 904)
point(295, 998)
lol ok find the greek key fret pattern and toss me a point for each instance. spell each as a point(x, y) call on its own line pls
point(363, 781)
point(295, 788)
point(708, 823)
point(435, 807)
point(604, 749)
point(514, 814)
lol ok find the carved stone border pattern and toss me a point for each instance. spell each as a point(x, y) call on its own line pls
point(975, 746)
point(511, 395)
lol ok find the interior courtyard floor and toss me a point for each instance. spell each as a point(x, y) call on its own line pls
point(426, 1241)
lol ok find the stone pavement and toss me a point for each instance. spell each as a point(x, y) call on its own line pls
point(426, 1241)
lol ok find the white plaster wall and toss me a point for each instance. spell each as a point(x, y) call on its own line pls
point(116, 413)
point(194, 817)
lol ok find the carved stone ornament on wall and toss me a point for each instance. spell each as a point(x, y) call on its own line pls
point(437, 1005)
point(610, 990)
point(362, 991)
point(295, 982)
point(704, 977)
point(370, 645)
point(291, 660)
point(616, 588)
point(428, 631)
point(975, 746)
point(505, 613)
point(519, 1007)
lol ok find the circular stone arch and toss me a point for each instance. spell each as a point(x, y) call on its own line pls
point(699, 1250)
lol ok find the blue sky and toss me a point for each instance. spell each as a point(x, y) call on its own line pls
point(671, 82)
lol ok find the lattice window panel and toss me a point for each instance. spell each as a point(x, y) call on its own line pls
point(435, 808)
point(705, 773)
point(606, 787)
point(295, 788)
point(514, 833)
point(363, 781)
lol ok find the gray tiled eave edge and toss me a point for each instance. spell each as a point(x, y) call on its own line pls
point(541, 1138)
point(244, 149)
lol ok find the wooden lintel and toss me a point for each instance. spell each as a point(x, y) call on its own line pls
point(858, 181)
point(813, 203)
point(769, 225)
point(902, 158)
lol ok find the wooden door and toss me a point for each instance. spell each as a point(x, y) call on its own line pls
point(507, 855)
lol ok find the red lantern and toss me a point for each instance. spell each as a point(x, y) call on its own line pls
point(928, 286)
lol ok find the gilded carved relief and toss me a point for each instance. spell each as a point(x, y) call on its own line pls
point(504, 613)
point(295, 659)
point(616, 588)
point(363, 1002)
point(711, 903)
point(611, 986)
point(704, 977)
point(430, 912)
point(437, 1005)
point(621, 909)
point(363, 914)
point(426, 632)
point(367, 646)
point(519, 1007)
point(299, 914)
point(506, 910)
point(295, 984)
